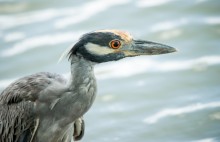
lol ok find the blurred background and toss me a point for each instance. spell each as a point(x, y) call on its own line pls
point(167, 98)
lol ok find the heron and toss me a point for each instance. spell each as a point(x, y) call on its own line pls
point(45, 107)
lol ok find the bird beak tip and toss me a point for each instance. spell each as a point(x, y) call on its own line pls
point(172, 49)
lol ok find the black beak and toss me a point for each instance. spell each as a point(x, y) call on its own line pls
point(141, 47)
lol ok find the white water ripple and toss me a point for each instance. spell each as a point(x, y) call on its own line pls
point(67, 15)
point(125, 68)
point(86, 11)
point(152, 3)
point(11, 21)
point(168, 25)
point(206, 140)
point(172, 24)
point(39, 41)
point(178, 111)
point(14, 36)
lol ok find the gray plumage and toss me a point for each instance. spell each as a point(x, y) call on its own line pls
point(43, 96)
point(44, 107)
point(17, 114)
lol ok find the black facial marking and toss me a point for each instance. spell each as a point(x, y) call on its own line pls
point(99, 38)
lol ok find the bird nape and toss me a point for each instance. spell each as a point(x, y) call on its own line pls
point(44, 107)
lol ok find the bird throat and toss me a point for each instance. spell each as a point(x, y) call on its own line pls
point(83, 81)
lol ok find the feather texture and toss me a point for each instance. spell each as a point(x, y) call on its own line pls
point(17, 115)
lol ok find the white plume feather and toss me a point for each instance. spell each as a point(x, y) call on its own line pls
point(66, 51)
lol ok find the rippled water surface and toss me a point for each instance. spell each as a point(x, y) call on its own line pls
point(173, 97)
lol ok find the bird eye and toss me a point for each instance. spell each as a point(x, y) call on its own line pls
point(115, 44)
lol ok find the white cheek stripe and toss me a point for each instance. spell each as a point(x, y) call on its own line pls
point(97, 49)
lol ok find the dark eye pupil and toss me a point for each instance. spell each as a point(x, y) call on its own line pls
point(116, 44)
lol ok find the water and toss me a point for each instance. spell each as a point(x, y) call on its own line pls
point(173, 97)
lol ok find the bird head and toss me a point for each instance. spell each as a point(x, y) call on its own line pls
point(111, 45)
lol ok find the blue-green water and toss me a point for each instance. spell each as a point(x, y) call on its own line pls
point(173, 97)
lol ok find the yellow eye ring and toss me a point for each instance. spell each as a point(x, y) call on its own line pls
point(115, 44)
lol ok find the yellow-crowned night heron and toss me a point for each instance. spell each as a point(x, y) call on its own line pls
point(44, 107)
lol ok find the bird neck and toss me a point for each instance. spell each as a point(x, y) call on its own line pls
point(83, 84)
point(82, 72)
